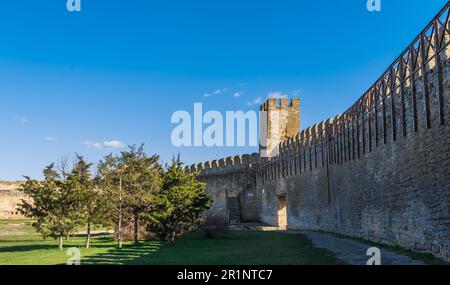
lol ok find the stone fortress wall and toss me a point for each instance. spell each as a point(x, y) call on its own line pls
point(380, 171)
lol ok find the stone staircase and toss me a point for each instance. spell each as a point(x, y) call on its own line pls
point(235, 211)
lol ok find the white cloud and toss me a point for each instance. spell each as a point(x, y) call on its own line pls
point(22, 119)
point(113, 144)
point(215, 92)
point(274, 95)
point(296, 92)
point(50, 139)
point(257, 101)
point(238, 94)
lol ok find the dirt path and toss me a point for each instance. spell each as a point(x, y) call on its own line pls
point(354, 252)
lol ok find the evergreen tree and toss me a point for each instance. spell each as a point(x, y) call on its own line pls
point(110, 177)
point(141, 179)
point(55, 205)
point(179, 204)
point(89, 195)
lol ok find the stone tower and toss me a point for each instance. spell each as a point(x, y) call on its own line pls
point(280, 120)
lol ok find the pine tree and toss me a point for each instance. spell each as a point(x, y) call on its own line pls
point(178, 206)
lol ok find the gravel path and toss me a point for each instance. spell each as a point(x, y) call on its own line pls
point(354, 252)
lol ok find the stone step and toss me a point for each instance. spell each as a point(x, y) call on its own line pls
point(235, 210)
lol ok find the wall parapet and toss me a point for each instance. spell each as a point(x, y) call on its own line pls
point(273, 103)
point(231, 163)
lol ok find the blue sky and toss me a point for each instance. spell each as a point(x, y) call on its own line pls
point(118, 70)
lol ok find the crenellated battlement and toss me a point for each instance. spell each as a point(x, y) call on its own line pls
point(278, 104)
point(228, 163)
point(313, 134)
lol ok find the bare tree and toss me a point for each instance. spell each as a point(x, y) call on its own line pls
point(63, 166)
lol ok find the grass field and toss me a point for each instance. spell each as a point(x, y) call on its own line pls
point(24, 247)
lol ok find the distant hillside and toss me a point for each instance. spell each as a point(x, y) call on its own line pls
point(9, 185)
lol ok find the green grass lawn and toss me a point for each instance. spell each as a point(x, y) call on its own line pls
point(235, 248)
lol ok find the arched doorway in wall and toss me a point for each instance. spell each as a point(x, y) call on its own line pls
point(282, 212)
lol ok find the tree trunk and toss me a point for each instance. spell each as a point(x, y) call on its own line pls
point(119, 226)
point(88, 235)
point(172, 237)
point(119, 232)
point(136, 228)
point(61, 243)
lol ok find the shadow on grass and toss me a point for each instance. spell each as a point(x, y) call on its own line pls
point(19, 248)
point(101, 241)
point(129, 254)
point(94, 235)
